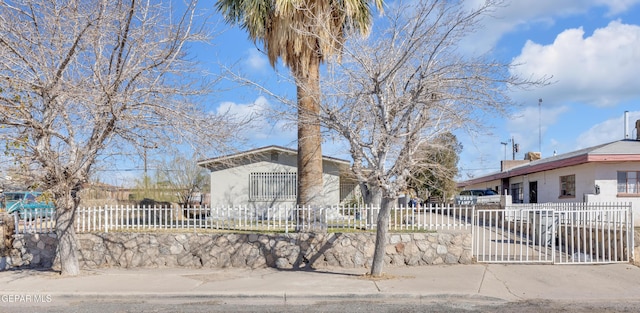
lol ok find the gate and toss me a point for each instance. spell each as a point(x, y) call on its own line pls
point(554, 233)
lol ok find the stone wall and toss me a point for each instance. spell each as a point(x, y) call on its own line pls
point(285, 251)
point(30, 250)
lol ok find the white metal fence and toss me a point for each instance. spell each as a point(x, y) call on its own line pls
point(120, 218)
point(525, 233)
point(555, 233)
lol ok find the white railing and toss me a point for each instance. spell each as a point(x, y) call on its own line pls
point(122, 218)
point(560, 233)
point(35, 221)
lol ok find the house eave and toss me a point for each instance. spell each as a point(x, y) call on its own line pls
point(230, 159)
point(535, 167)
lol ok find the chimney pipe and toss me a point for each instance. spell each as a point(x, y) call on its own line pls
point(626, 122)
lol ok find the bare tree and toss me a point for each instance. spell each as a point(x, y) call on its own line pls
point(185, 177)
point(399, 90)
point(83, 79)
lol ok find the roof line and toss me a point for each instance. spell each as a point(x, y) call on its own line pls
point(577, 157)
point(262, 150)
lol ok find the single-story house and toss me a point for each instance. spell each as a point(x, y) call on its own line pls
point(267, 177)
point(605, 173)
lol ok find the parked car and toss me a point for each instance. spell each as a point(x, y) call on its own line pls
point(473, 196)
point(478, 192)
point(29, 204)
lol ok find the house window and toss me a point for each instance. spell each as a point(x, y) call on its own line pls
point(628, 182)
point(568, 186)
point(273, 186)
point(349, 193)
point(517, 193)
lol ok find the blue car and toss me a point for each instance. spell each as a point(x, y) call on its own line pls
point(29, 204)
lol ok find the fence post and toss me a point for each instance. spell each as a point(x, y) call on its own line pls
point(286, 222)
point(106, 219)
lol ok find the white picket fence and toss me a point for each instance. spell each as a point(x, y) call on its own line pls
point(122, 218)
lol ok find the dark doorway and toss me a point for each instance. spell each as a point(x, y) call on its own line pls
point(533, 192)
point(505, 187)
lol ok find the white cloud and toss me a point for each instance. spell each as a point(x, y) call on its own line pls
point(608, 131)
point(524, 14)
point(256, 60)
point(617, 6)
point(527, 125)
point(600, 69)
point(261, 129)
point(482, 155)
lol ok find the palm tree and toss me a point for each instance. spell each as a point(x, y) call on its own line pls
point(303, 34)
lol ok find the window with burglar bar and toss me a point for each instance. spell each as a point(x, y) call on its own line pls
point(568, 186)
point(269, 186)
point(517, 193)
point(628, 182)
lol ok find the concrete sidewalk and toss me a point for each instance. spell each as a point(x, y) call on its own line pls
point(478, 282)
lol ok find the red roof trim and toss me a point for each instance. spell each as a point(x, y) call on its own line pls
point(576, 160)
point(614, 157)
point(528, 169)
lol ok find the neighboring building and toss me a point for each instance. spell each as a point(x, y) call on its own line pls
point(267, 177)
point(604, 173)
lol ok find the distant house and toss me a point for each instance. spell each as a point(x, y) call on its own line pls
point(605, 173)
point(267, 177)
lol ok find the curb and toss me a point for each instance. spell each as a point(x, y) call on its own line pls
point(283, 298)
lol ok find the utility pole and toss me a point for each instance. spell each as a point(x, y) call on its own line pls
point(514, 147)
point(145, 147)
point(540, 126)
point(145, 178)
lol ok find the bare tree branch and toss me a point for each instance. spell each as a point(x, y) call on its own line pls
point(82, 80)
point(397, 93)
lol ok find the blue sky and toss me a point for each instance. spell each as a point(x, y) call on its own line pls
point(590, 47)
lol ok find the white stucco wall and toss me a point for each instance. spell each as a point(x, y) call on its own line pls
point(587, 177)
point(549, 183)
point(230, 186)
point(606, 177)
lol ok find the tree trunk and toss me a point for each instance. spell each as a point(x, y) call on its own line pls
point(310, 184)
point(372, 199)
point(381, 237)
point(67, 251)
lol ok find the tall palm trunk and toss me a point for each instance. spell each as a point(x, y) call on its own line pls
point(310, 186)
point(310, 183)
